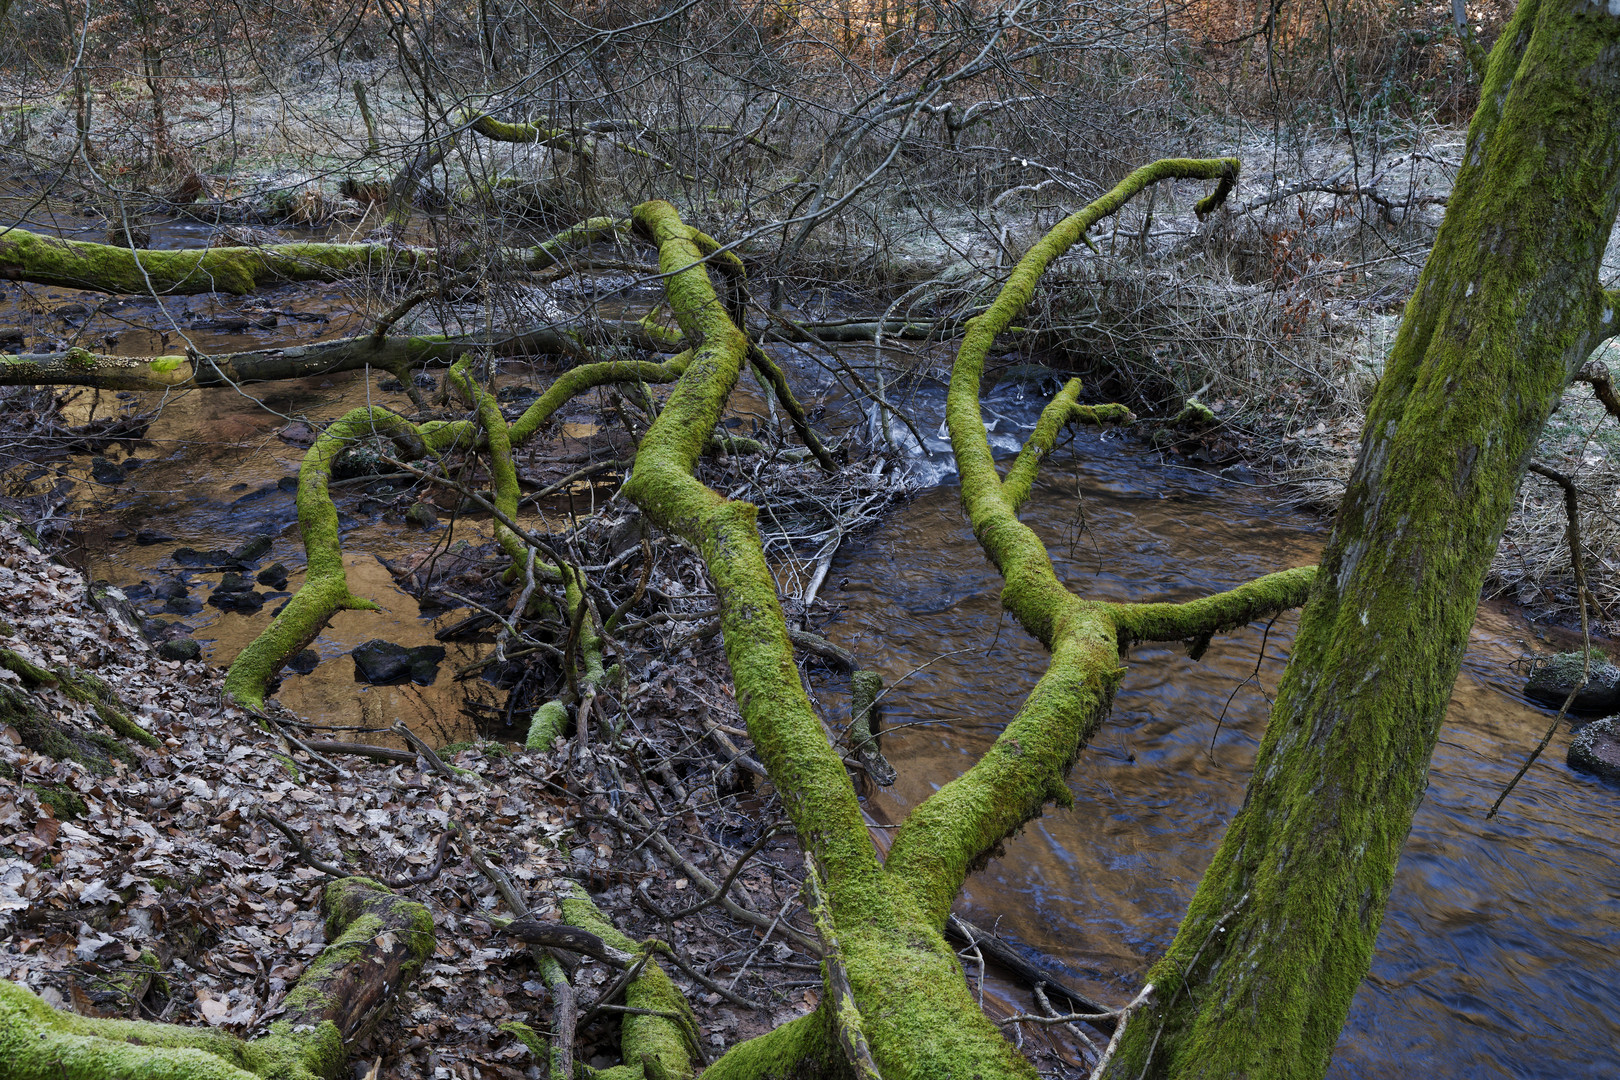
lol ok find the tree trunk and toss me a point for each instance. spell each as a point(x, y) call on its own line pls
point(1280, 933)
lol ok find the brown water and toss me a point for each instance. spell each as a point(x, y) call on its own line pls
point(1498, 953)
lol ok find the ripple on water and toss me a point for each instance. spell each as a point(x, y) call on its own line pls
point(1498, 946)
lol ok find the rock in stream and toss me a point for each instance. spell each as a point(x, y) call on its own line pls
point(1553, 679)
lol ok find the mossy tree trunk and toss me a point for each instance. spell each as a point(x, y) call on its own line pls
point(1280, 933)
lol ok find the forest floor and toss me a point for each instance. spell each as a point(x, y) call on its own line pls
point(150, 884)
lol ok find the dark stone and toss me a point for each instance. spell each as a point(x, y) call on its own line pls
point(371, 506)
point(274, 576)
point(421, 515)
point(425, 381)
point(391, 386)
point(252, 549)
point(304, 663)
point(105, 471)
point(1553, 679)
point(298, 433)
point(1596, 748)
point(377, 661)
point(155, 628)
point(255, 495)
point(148, 537)
point(170, 588)
point(137, 592)
point(217, 559)
point(425, 660)
point(180, 649)
point(287, 483)
point(245, 602)
point(516, 392)
point(180, 605)
point(234, 582)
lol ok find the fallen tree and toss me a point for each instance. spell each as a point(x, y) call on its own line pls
point(378, 943)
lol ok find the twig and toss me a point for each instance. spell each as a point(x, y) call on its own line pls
point(1573, 533)
point(435, 762)
point(1119, 1029)
point(757, 847)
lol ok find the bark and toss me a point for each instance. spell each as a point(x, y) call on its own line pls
point(379, 942)
point(1281, 931)
point(78, 264)
point(398, 354)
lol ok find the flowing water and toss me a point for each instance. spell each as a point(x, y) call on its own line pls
point(1498, 952)
point(1497, 955)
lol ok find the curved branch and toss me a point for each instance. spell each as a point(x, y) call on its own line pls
point(325, 590)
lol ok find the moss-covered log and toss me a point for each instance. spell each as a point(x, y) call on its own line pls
point(1281, 930)
point(379, 942)
point(80, 264)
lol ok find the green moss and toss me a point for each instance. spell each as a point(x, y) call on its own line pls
point(38, 1042)
point(550, 723)
point(64, 805)
point(798, 1050)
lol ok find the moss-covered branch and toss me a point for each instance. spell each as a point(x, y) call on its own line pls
point(918, 1017)
point(325, 590)
point(80, 264)
point(1062, 410)
point(661, 1046)
point(958, 826)
point(1200, 619)
point(379, 942)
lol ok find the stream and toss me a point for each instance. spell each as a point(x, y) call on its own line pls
point(1497, 954)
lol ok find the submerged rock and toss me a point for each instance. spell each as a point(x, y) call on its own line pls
point(234, 582)
point(305, 662)
point(180, 649)
point(246, 602)
point(217, 559)
point(1552, 680)
point(425, 660)
point(274, 576)
point(105, 471)
point(421, 515)
point(252, 549)
point(148, 537)
point(1596, 748)
point(377, 661)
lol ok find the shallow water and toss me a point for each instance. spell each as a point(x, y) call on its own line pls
point(1497, 952)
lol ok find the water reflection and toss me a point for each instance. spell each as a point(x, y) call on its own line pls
point(1496, 952)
